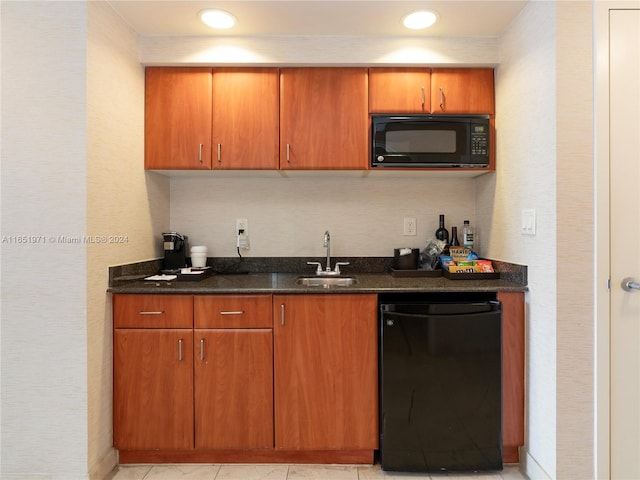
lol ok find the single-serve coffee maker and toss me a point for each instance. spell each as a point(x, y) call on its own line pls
point(175, 252)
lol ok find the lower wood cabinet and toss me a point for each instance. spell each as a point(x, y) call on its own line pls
point(265, 378)
point(233, 372)
point(153, 373)
point(242, 384)
point(326, 371)
point(513, 354)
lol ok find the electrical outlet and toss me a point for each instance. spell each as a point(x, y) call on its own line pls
point(242, 234)
point(410, 226)
point(242, 224)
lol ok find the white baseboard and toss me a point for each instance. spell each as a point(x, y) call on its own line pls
point(530, 467)
point(104, 468)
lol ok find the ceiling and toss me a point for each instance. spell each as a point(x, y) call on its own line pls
point(457, 18)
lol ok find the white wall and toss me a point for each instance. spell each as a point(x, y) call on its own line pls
point(318, 50)
point(575, 187)
point(72, 149)
point(526, 131)
point(288, 216)
point(544, 117)
point(44, 296)
point(122, 201)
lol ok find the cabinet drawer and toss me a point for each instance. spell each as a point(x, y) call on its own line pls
point(152, 311)
point(233, 311)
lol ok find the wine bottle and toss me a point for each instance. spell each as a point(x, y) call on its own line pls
point(442, 233)
point(454, 237)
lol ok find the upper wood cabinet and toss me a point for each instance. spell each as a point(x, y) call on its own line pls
point(399, 90)
point(323, 118)
point(245, 118)
point(178, 118)
point(462, 90)
point(436, 90)
point(291, 118)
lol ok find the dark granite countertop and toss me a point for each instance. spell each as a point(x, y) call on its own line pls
point(286, 283)
point(279, 275)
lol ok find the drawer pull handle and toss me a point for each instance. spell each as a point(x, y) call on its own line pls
point(180, 350)
point(233, 312)
point(158, 312)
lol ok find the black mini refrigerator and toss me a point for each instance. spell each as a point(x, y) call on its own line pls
point(440, 384)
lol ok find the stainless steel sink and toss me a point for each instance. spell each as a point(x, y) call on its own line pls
point(327, 282)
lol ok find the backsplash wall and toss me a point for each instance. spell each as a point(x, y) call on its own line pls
point(287, 216)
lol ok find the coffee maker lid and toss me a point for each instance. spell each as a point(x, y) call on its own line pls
point(173, 235)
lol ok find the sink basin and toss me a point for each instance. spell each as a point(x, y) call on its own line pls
point(327, 282)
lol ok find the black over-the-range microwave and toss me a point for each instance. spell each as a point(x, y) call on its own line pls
point(423, 141)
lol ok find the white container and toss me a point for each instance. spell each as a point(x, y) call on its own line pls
point(198, 256)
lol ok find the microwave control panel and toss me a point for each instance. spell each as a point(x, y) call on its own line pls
point(479, 139)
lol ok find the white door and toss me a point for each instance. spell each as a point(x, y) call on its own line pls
point(624, 78)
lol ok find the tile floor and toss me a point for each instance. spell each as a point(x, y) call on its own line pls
point(292, 472)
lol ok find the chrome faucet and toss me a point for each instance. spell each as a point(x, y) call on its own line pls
point(327, 245)
point(327, 270)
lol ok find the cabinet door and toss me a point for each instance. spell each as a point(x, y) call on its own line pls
point(245, 118)
point(512, 374)
point(462, 90)
point(323, 118)
point(153, 389)
point(326, 371)
point(234, 388)
point(178, 118)
point(399, 90)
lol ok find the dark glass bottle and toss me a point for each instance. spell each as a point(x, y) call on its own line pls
point(454, 237)
point(443, 234)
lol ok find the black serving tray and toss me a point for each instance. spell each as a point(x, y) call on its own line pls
point(470, 276)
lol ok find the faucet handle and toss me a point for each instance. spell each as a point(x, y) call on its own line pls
point(337, 269)
point(319, 269)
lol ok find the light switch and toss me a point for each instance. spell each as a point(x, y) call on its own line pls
point(528, 222)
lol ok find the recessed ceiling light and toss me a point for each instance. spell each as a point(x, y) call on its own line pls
point(420, 19)
point(217, 18)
